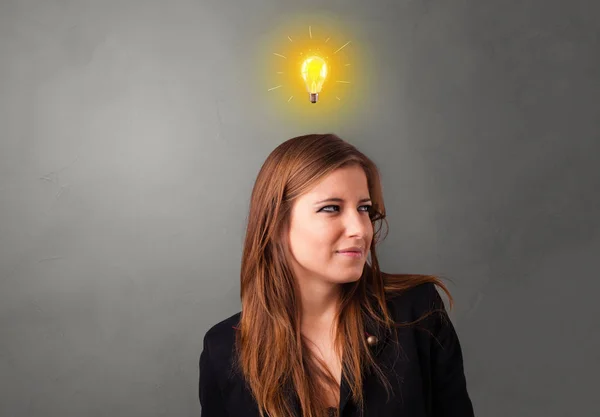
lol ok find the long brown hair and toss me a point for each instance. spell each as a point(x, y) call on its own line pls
point(271, 352)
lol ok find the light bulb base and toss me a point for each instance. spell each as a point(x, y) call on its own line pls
point(313, 97)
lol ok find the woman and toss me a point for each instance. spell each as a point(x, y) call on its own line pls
point(322, 330)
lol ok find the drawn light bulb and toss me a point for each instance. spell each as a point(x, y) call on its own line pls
point(314, 72)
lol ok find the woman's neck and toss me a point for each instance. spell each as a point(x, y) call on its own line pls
point(320, 304)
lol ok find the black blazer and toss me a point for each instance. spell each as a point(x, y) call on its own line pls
point(423, 364)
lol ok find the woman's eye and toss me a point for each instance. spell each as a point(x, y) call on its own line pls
point(326, 207)
point(366, 208)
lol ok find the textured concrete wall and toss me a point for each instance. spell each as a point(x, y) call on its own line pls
point(131, 133)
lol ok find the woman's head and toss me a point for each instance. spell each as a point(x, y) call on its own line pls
point(289, 216)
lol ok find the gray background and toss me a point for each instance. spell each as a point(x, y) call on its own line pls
point(131, 133)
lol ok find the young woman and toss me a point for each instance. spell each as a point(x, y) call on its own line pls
point(322, 330)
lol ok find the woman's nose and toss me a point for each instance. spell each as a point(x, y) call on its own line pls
point(357, 224)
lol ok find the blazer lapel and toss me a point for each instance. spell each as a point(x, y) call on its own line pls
point(382, 337)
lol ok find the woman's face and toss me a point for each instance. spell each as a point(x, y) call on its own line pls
point(320, 229)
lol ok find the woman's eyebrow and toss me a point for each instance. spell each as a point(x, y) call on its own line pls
point(340, 200)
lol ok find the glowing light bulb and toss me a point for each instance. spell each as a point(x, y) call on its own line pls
point(314, 72)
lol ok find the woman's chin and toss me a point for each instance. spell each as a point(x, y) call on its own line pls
point(347, 278)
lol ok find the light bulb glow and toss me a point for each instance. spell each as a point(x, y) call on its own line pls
point(314, 73)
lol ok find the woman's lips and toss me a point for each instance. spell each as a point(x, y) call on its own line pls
point(352, 254)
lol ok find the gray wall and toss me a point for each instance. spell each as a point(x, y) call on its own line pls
point(131, 133)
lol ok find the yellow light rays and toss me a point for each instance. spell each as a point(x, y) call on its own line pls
point(274, 88)
point(274, 53)
point(343, 46)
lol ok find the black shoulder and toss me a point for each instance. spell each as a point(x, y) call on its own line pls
point(224, 328)
point(219, 340)
point(413, 303)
